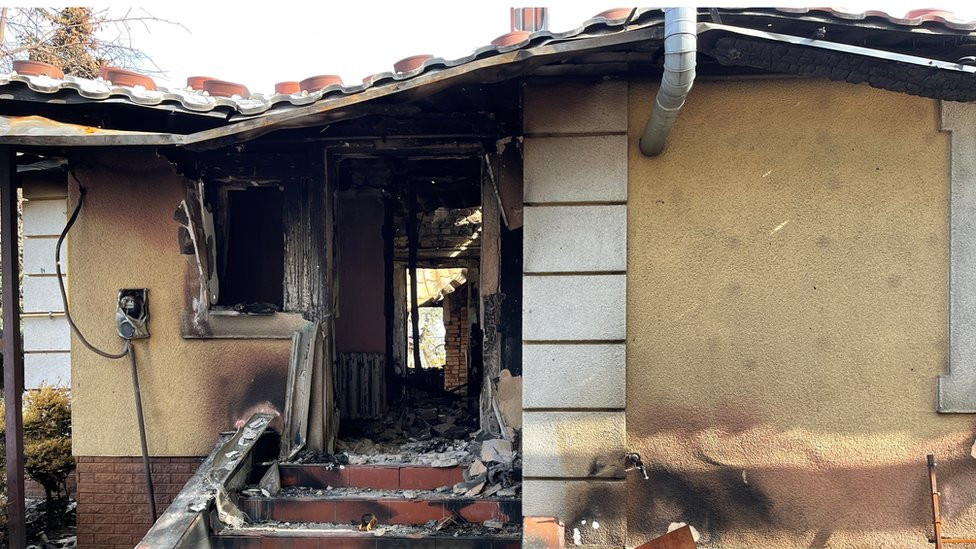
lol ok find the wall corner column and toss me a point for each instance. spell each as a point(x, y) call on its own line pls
point(957, 387)
point(574, 308)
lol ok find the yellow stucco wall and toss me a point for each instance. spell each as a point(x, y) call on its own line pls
point(191, 389)
point(787, 279)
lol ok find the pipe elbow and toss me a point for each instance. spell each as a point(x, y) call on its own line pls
point(680, 53)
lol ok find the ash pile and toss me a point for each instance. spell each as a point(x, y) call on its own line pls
point(432, 432)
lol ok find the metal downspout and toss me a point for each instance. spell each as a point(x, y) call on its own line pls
point(680, 51)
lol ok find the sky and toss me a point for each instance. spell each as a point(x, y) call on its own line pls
point(261, 44)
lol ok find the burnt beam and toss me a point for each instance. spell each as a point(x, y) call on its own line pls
point(413, 243)
point(13, 358)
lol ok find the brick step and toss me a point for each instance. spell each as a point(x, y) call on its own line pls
point(333, 539)
point(376, 477)
point(346, 510)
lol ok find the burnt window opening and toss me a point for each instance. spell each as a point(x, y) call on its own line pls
point(251, 257)
point(433, 351)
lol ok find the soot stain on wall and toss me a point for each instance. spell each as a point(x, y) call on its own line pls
point(255, 384)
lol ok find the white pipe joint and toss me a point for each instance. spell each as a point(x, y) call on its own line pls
point(680, 52)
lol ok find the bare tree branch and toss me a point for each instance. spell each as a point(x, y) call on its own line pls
point(78, 40)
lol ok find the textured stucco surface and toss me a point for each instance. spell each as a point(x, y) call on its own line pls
point(575, 169)
point(573, 444)
point(957, 387)
point(574, 107)
point(191, 389)
point(581, 502)
point(589, 376)
point(575, 238)
point(574, 323)
point(787, 273)
point(573, 307)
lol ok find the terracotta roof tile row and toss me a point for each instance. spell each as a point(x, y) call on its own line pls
point(206, 95)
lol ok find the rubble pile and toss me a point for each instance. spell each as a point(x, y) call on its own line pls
point(41, 535)
point(421, 419)
point(433, 452)
point(452, 526)
point(431, 432)
point(497, 471)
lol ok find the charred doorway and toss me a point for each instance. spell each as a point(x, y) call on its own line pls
point(408, 328)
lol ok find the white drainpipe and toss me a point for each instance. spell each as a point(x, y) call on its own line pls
point(680, 50)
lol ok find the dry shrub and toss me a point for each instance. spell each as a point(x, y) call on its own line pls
point(47, 446)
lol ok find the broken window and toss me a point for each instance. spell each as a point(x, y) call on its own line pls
point(250, 248)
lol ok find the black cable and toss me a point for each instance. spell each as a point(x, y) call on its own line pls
point(126, 351)
point(137, 393)
point(64, 294)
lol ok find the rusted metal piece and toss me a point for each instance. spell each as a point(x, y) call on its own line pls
point(937, 538)
point(681, 538)
point(38, 130)
point(13, 357)
point(186, 522)
point(310, 417)
point(297, 388)
point(388, 511)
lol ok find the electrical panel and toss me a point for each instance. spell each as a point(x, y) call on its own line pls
point(132, 315)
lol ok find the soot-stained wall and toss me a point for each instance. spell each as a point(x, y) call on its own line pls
point(361, 323)
point(191, 389)
point(787, 271)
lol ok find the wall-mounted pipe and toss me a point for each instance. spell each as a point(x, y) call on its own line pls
point(680, 51)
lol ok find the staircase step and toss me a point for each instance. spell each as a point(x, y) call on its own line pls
point(328, 538)
point(377, 477)
point(346, 510)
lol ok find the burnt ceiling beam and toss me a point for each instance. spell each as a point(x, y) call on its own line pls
point(430, 125)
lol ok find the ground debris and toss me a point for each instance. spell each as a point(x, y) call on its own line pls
point(270, 483)
point(498, 450)
point(41, 534)
point(227, 512)
point(452, 526)
point(427, 432)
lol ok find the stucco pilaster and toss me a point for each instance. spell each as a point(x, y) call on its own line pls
point(957, 387)
point(574, 308)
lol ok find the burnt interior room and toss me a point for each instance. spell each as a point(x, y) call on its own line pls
point(396, 219)
point(381, 239)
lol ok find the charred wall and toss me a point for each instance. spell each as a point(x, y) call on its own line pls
point(126, 237)
point(361, 322)
point(787, 319)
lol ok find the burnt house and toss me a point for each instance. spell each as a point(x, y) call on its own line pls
point(742, 306)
